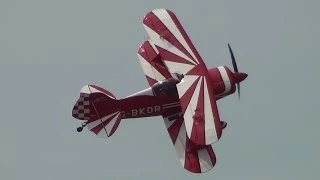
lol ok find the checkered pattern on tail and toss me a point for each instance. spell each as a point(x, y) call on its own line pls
point(99, 108)
point(81, 109)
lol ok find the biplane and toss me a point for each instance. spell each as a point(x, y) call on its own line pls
point(181, 89)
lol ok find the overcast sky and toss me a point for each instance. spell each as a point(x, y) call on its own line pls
point(50, 49)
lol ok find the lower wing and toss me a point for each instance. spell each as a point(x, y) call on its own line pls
point(194, 158)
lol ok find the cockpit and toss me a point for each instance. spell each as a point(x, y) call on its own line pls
point(166, 87)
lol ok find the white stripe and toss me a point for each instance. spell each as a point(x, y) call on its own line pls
point(157, 40)
point(149, 70)
point(95, 123)
point(168, 123)
point(190, 111)
point(204, 160)
point(185, 84)
point(94, 90)
point(210, 128)
point(225, 79)
point(165, 18)
point(102, 134)
point(110, 125)
point(180, 144)
point(166, 107)
point(171, 104)
point(153, 46)
point(85, 89)
point(177, 67)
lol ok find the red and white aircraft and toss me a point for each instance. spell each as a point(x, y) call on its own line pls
point(182, 90)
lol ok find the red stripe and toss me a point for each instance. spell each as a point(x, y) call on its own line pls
point(197, 70)
point(212, 155)
point(151, 81)
point(174, 129)
point(191, 158)
point(162, 69)
point(167, 55)
point(115, 126)
point(147, 52)
point(185, 36)
point(154, 59)
point(103, 91)
point(154, 23)
point(101, 126)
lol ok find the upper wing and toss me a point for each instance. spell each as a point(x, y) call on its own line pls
point(197, 159)
point(195, 91)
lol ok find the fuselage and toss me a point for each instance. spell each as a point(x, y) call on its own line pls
point(159, 99)
point(102, 112)
point(162, 98)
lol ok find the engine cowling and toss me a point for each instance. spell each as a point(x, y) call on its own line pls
point(223, 81)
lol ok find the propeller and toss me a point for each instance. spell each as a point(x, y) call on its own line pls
point(238, 76)
point(234, 63)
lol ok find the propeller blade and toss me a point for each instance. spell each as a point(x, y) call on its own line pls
point(235, 68)
point(238, 87)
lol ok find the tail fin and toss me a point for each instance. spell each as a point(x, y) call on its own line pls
point(99, 108)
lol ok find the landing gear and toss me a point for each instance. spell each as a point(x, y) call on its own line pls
point(79, 129)
point(223, 124)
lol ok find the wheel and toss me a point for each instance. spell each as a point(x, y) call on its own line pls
point(79, 129)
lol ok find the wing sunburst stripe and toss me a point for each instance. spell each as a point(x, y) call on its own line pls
point(180, 143)
point(190, 110)
point(149, 70)
point(156, 23)
point(198, 133)
point(176, 67)
point(174, 128)
point(192, 158)
point(165, 54)
point(185, 84)
point(162, 35)
point(156, 39)
point(210, 129)
point(204, 160)
point(172, 27)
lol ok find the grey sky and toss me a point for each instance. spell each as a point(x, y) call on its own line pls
point(50, 49)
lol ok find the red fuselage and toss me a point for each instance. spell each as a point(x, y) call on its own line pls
point(160, 99)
